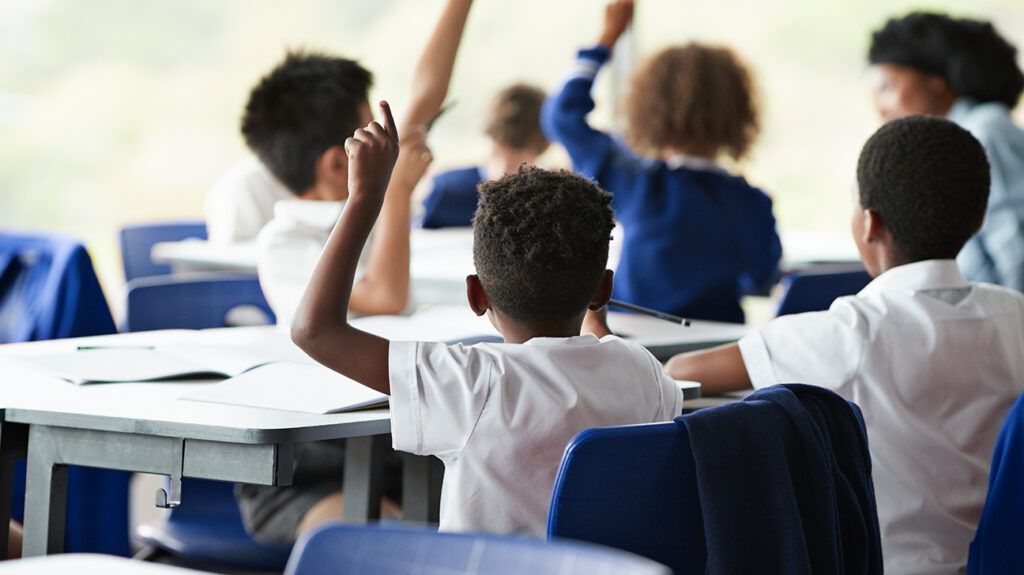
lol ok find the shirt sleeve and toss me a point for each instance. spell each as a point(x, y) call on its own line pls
point(564, 116)
point(819, 348)
point(765, 251)
point(438, 393)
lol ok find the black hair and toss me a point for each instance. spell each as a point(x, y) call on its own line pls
point(928, 179)
point(970, 55)
point(540, 243)
point(307, 104)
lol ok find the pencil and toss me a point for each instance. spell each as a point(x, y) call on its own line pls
point(648, 311)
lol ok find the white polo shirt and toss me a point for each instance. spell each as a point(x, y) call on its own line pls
point(500, 416)
point(289, 248)
point(935, 364)
point(242, 201)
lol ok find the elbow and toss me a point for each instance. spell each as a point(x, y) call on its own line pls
point(303, 333)
point(553, 117)
point(679, 367)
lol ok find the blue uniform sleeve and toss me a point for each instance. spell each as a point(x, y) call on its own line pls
point(763, 258)
point(564, 117)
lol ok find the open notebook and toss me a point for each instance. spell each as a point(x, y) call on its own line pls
point(112, 364)
point(309, 388)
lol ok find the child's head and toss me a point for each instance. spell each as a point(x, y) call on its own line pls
point(921, 62)
point(513, 122)
point(299, 115)
point(696, 100)
point(922, 185)
point(540, 246)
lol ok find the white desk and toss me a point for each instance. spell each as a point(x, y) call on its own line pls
point(440, 260)
point(88, 564)
point(146, 427)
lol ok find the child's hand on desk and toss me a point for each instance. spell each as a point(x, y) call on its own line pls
point(372, 152)
point(617, 16)
point(596, 322)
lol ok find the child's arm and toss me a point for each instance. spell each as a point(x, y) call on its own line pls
point(384, 289)
point(564, 117)
point(321, 325)
point(719, 370)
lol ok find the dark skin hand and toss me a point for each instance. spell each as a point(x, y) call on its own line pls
point(321, 325)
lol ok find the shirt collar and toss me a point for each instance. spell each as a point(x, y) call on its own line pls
point(693, 163)
point(918, 276)
point(315, 213)
point(585, 339)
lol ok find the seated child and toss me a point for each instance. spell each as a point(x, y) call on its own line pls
point(925, 63)
point(498, 415)
point(695, 237)
point(513, 126)
point(297, 120)
point(934, 362)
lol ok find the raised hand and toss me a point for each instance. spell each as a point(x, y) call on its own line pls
point(617, 16)
point(413, 161)
point(372, 152)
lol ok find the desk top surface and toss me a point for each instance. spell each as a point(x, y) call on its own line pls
point(88, 563)
point(156, 408)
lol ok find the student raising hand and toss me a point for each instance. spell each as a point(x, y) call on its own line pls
point(372, 152)
point(617, 16)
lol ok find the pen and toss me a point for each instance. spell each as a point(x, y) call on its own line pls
point(648, 311)
point(95, 347)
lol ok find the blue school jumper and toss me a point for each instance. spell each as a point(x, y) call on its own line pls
point(695, 239)
point(453, 198)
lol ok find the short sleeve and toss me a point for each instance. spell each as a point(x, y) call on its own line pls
point(438, 393)
point(819, 348)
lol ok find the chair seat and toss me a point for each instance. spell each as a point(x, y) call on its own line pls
point(215, 543)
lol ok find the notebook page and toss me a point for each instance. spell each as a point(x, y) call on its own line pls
point(309, 388)
point(114, 365)
point(228, 360)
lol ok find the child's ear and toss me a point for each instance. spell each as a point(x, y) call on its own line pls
point(478, 301)
point(333, 167)
point(874, 227)
point(603, 293)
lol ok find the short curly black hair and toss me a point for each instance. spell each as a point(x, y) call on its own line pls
point(974, 59)
point(928, 179)
point(540, 243)
point(305, 105)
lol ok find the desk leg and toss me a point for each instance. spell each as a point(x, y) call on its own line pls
point(46, 495)
point(421, 488)
point(364, 470)
point(13, 438)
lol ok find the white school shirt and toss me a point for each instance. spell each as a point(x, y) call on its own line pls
point(242, 201)
point(934, 363)
point(500, 416)
point(289, 248)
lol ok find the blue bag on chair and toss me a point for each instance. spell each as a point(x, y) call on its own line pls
point(49, 290)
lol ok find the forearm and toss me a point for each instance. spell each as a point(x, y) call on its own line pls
point(384, 289)
point(433, 71)
point(719, 370)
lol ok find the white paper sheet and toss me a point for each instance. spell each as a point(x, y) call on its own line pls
point(309, 388)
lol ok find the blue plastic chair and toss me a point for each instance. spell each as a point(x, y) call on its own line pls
point(815, 291)
point(49, 290)
point(997, 549)
point(339, 549)
point(190, 301)
point(137, 241)
point(206, 530)
point(632, 488)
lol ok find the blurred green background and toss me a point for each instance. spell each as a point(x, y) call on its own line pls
point(119, 111)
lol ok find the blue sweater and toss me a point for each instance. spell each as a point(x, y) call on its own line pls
point(695, 240)
point(453, 198)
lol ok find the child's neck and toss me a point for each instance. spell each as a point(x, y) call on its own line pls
point(513, 331)
point(505, 160)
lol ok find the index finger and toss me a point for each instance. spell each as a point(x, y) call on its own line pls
point(388, 120)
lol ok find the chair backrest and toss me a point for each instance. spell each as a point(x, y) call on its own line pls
point(190, 301)
point(632, 488)
point(137, 241)
point(339, 549)
point(996, 549)
point(49, 289)
point(815, 291)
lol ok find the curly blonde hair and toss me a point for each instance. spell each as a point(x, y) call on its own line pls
point(696, 99)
